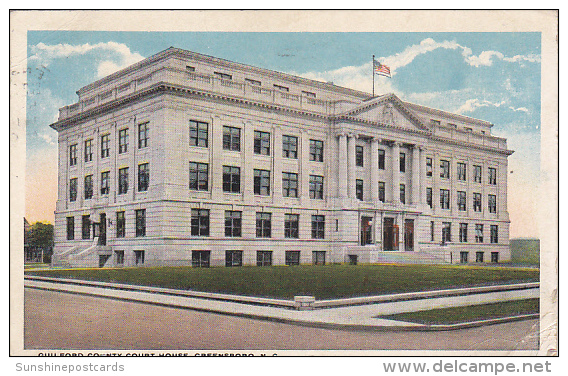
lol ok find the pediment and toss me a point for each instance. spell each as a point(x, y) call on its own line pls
point(387, 110)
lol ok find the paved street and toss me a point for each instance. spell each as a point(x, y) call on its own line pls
point(66, 321)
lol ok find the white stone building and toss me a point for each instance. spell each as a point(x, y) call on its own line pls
point(188, 159)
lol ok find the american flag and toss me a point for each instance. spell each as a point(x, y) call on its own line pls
point(381, 69)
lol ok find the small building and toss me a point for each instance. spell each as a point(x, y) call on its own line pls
point(188, 159)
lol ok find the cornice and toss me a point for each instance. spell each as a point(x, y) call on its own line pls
point(162, 87)
point(445, 114)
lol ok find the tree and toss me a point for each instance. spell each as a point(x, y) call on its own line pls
point(39, 236)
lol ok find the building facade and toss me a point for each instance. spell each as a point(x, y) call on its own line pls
point(187, 159)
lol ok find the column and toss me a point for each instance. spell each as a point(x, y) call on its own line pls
point(276, 173)
point(396, 173)
point(351, 174)
point(374, 170)
point(248, 162)
point(422, 169)
point(416, 178)
point(216, 159)
point(303, 168)
point(342, 166)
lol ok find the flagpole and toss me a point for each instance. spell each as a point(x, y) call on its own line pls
point(373, 72)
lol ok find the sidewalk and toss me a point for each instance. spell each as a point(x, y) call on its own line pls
point(358, 317)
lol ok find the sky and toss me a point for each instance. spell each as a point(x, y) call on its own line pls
point(490, 76)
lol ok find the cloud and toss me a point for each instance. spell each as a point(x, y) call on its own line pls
point(47, 138)
point(114, 56)
point(523, 109)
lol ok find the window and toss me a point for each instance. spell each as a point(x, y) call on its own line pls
point(231, 179)
point(105, 145)
point(429, 197)
point(261, 143)
point(402, 162)
point(359, 189)
point(435, 122)
point(73, 155)
point(119, 257)
point(318, 226)
point(290, 147)
point(494, 257)
point(479, 233)
point(428, 166)
point(492, 203)
point(477, 202)
point(263, 225)
point(139, 257)
point(291, 225)
point(231, 138)
point(431, 231)
point(233, 258)
point(444, 198)
point(309, 94)
point(318, 257)
point(88, 188)
point(492, 175)
point(253, 82)
point(198, 176)
point(140, 222)
point(316, 187)
point(86, 227)
point(123, 180)
point(359, 156)
point(292, 258)
point(70, 228)
point(463, 232)
point(189, 68)
point(199, 222)
point(263, 258)
point(88, 150)
point(120, 224)
point(479, 256)
point(403, 193)
point(316, 150)
point(123, 141)
point(105, 183)
point(462, 167)
point(200, 259)
point(382, 191)
point(143, 177)
point(280, 87)
point(73, 189)
point(198, 133)
point(464, 257)
point(446, 232)
point(461, 201)
point(262, 182)
point(381, 159)
point(233, 223)
point(494, 235)
point(477, 174)
point(289, 184)
point(444, 169)
point(223, 76)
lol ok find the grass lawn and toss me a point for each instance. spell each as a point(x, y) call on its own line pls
point(323, 282)
point(456, 315)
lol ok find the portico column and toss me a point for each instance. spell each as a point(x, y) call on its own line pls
point(342, 165)
point(422, 173)
point(416, 178)
point(396, 173)
point(351, 175)
point(375, 170)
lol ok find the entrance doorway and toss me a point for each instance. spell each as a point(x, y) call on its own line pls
point(390, 235)
point(409, 235)
point(102, 229)
point(366, 230)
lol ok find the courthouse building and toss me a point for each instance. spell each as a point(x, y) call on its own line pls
point(188, 159)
